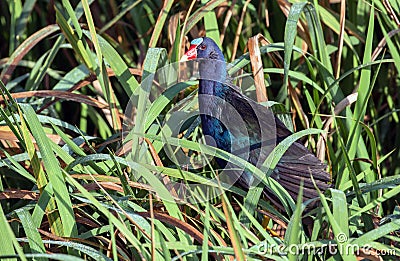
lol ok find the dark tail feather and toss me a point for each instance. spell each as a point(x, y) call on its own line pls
point(297, 166)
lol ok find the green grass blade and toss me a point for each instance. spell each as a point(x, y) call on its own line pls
point(22, 21)
point(8, 242)
point(33, 236)
point(290, 34)
point(364, 91)
point(160, 23)
point(211, 25)
point(200, 13)
point(52, 166)
point(339, 209)
point(293, 232)
point(377, 233)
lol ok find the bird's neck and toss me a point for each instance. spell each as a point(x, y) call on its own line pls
point(213, 77)
point(210, 87)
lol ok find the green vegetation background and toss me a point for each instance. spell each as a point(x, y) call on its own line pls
point(69, 69)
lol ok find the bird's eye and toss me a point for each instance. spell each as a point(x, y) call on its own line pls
point(203, 47)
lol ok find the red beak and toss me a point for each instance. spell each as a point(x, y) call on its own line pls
point(190, 54)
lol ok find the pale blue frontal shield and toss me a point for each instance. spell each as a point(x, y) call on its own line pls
point(196, 41)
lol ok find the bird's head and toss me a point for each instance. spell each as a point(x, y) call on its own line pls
point(204, 48)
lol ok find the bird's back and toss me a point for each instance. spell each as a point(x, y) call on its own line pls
point(249, 130)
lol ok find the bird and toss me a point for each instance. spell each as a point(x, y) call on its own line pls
point(233, 122)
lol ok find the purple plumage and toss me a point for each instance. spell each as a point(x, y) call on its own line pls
point(233, 122)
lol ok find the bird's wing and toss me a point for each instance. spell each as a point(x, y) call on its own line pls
point(259, 125)
point(297, 164)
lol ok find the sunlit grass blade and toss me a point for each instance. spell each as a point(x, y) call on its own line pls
point(160, 23)
point(116, 222)
point(211, 25)
point(24, 48)
point(34, 239)
point(293, 233)
point(79, 46)
point(50, 162)
point(231, 223)
point(290, 34)
point(200, 13)
point(364, 91)
point(340, 235)
point(8, 242)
